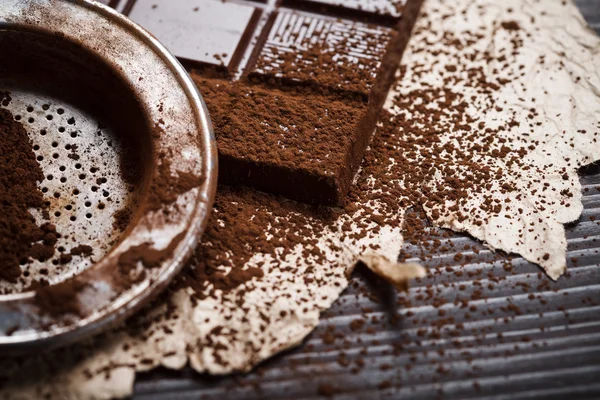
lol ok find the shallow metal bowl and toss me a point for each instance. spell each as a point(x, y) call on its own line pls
point(81, 76)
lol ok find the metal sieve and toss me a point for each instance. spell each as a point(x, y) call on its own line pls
point(111, 115)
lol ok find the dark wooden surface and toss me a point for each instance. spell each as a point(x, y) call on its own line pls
point(560, 362)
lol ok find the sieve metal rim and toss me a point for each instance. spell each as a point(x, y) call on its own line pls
point(31, 334)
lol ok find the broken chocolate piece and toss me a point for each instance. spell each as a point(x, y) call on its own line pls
point(294, 145)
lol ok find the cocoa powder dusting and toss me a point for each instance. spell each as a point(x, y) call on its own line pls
point(227, 243)
point(280, 127)
point(60, 299)
point(511, 25)
point(147, 255)
point(122, 218)
point(21, 239)
point(82, 250)
point(166, 188)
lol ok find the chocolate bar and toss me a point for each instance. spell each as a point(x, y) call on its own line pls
point(293, 87)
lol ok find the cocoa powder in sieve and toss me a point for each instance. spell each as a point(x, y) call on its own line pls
point(21, 239)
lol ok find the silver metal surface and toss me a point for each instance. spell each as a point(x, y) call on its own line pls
point(80, 152)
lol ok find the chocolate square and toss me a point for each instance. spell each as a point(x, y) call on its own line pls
point(326, 53)
point(204, 31)
point(283, 141)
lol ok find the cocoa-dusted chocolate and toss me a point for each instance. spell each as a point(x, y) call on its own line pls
point(304, 159)
point(297, 114)
point(331, 55)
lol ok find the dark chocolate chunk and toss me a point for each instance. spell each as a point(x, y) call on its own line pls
point(209, 32)
point(293, 144)
point(335, 54)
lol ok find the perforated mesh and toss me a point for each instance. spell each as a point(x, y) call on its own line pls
point(83, 185)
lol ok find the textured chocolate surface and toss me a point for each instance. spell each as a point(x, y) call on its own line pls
point(318, 55)
point(334, 54)
point(305, 146)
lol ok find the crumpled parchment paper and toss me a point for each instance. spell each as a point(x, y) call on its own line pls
point(234, 331)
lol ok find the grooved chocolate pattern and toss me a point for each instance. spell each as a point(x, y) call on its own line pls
point(340, 55)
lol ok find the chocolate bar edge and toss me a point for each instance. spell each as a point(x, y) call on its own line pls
point(245, 40)
point(295, 184)
point(385, 78)
point(260, 42)
point(128, 6)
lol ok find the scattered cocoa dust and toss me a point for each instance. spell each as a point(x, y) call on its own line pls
point(62, 299)
point(165, 188)
point(80, 250)
point(145, 254)
point(511, 25)
point(122, 218)
point(269, 222)
point(412, 159)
